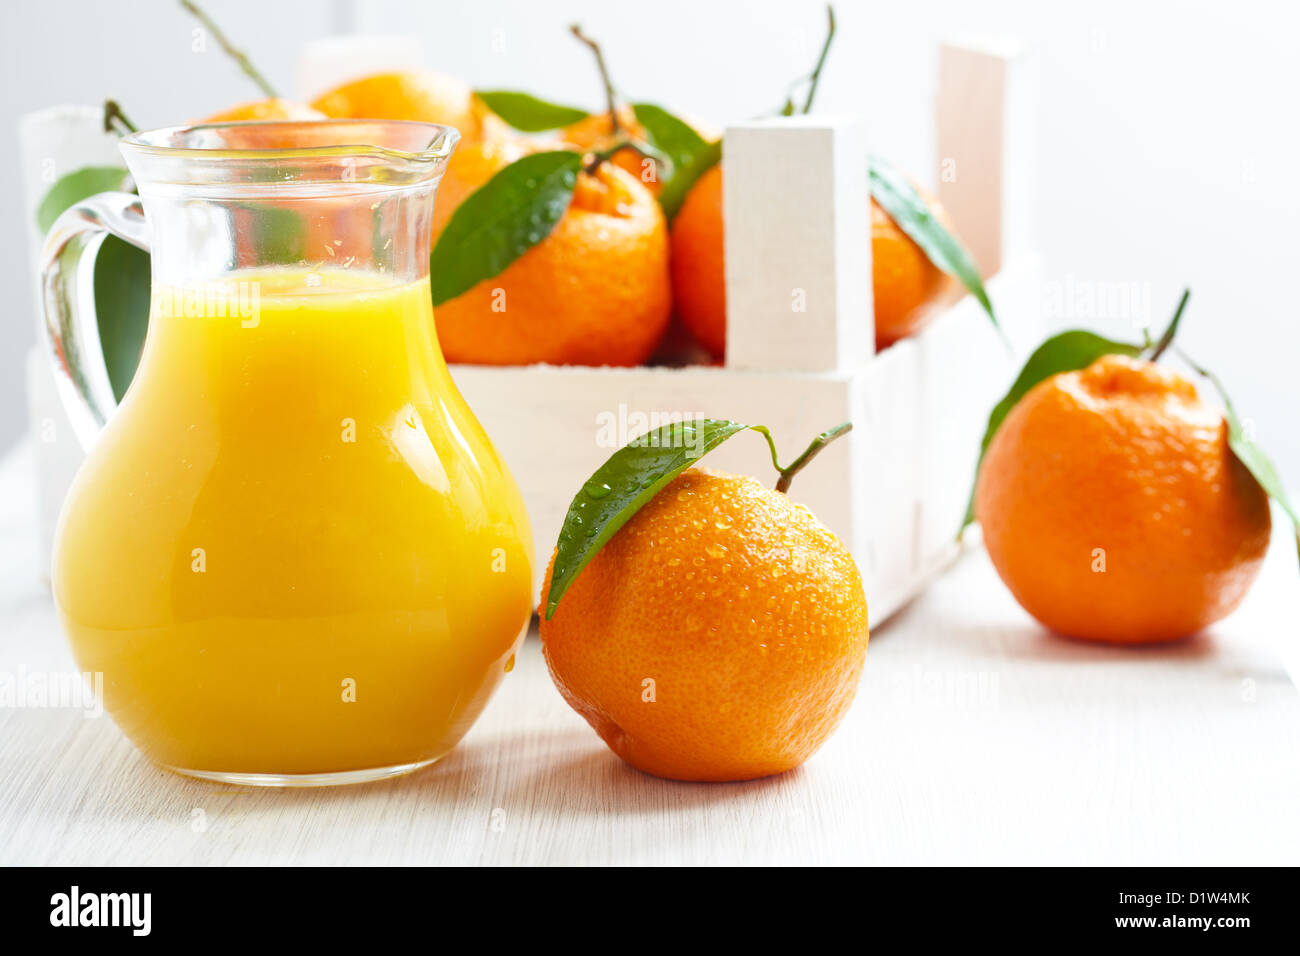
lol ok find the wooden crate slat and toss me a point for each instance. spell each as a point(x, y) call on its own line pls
point(798, 251)
point(984, 117)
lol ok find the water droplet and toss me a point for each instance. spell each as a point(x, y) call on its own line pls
point(723, 522)
point(714, 550)
point(673, 562)
point(595, 490)
point(510, 664)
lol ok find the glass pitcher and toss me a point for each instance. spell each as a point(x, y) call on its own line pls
point(292, 551)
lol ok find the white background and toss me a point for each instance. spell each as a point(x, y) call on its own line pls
point(1166, 133)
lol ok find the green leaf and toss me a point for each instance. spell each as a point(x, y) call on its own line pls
point(908, 208)
point(122, 307)
point(633, 475)
point(527, 113)
point(508, 215)
point(1065, 352)
point(1252, 456)
point(76, 186)
point(690, 153)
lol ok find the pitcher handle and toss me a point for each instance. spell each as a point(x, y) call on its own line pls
point(71, 325)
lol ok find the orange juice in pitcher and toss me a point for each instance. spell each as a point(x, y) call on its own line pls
point(292, 551)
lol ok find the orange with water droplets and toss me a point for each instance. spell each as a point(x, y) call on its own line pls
point(719, 634)
point(1113, 508)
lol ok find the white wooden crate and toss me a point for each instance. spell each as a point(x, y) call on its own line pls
point(796, 207)
point(797, 234)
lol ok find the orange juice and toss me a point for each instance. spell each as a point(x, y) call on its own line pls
point(293, 550)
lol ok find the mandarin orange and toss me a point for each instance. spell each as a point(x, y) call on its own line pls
point(595, 291)
point(719, 635)
point(1114, 509)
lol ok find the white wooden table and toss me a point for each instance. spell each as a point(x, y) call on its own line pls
point(976, 738)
